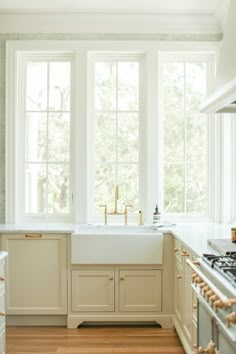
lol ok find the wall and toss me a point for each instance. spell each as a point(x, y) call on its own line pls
point(199, 37)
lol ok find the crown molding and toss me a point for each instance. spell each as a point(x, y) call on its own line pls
point(45, 22)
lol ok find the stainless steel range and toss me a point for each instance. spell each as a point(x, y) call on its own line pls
point(214, 282)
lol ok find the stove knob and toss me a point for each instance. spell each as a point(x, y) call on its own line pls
point(198, 280)
point(219, 304)
point(209, 293)
point(210, 349)
point(205, 289)
point(202, 285)
point(231, 318)
point(213, 299)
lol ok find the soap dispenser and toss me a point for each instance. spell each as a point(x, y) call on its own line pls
point(156, 215)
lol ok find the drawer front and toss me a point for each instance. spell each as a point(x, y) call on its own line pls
point(178, 250)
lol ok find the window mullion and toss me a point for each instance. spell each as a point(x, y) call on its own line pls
point(47, 155)
point(185, 140)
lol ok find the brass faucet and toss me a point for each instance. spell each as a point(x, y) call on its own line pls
point(115, 211)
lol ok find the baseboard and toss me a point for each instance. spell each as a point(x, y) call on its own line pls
point(75, 320)
point(36, 320)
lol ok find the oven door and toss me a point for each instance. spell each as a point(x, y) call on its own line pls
point(207, 330)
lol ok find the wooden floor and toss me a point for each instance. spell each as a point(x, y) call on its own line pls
point(92, 339)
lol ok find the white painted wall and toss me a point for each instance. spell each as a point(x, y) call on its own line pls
point(226, 70)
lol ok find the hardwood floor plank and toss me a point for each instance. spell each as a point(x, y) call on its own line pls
point(92, 339)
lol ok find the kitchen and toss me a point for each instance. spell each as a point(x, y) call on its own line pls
point(67, 76)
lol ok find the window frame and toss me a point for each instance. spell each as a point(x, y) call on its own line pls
point(93, 58)
point(18, 135)
point(81, 50)
point(189, 57)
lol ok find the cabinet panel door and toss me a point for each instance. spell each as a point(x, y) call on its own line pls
point(187, 299)
point(36, 274)
point(140, 290)
point(178, 290)
point(93, 290)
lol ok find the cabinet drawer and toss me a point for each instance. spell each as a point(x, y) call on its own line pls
point(178, 250)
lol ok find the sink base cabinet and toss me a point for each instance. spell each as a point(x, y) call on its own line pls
point(122, 293)
point(115, 294)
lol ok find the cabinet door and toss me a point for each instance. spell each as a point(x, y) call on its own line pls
point(187, 298)
point(93, 290)
point(36, 273)
point(140, 290)
point(178, 290)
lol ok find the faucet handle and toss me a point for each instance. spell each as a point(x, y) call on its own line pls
point(105, 212)
point(126, 212)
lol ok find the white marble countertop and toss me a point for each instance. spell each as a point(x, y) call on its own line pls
point(195, 235)
point(43, 228)
point(192, 235)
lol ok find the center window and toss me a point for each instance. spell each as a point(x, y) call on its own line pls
point(117, 132)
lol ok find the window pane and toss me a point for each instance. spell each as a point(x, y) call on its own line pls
point(48, 184)
point(174, 188)
point(105, 180)
point(128, 180)
point(196, 196)
point(59, 94)
point(36, 86)
point(128, 86)
point(36, 135)
point(117, 133)
point(105, 137)
point(173, 96)
point(185, 137)
point(58, 189)
point(58, 137)
point(35, 188)
point(105, 86)
point(128, 137)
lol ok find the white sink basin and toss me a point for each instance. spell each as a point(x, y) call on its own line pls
point(100, 244)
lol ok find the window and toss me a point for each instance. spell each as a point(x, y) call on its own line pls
point(116, 132)
point(185, 137)
point(46, 117)
point(90, 115)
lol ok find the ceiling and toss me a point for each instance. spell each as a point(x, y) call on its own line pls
point(204, 12)
point(193, 7)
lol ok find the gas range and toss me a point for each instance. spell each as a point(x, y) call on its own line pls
point(222, 269)
point(214, 281)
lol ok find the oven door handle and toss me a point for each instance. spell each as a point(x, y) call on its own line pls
point(226, 301)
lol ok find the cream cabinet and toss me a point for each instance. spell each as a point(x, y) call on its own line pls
point(140, 290)
point(93, 290)
point(3, 256)
point(111, 293)
point(36, 273)
point(185, 319)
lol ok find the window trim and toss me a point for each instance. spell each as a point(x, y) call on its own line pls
point(16, 134)
point(118, 57)
point(81, 49)
point(187, 57)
